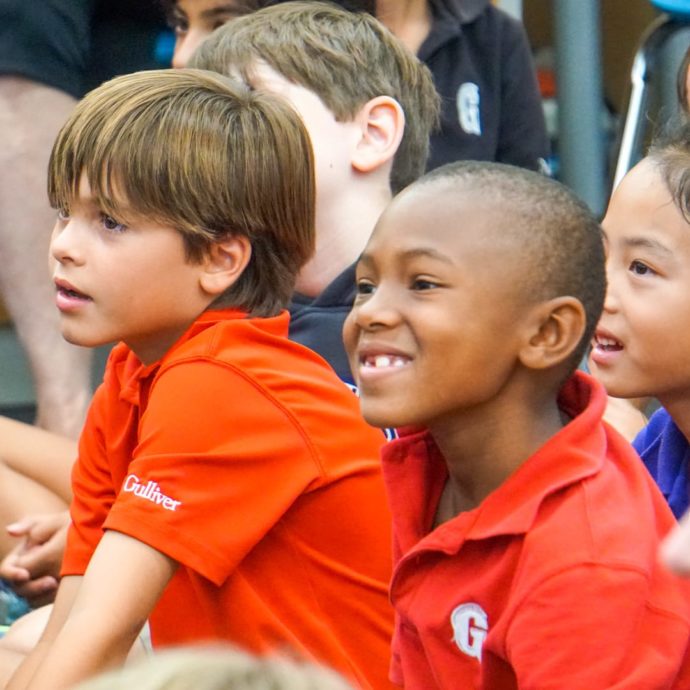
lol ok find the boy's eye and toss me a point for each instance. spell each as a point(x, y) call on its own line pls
point(365, 287)
point(423, 284)
point(640, 269)
point(178, 24)
point(111, 225)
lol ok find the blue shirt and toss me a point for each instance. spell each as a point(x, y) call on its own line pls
point(665, 452)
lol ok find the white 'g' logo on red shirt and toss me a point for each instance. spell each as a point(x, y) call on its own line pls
point(470, 626)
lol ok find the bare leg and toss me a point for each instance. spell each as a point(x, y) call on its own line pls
point(23, 636)
point(30, 117)
point(20, 639)
point(35, 468)
point(40, 456)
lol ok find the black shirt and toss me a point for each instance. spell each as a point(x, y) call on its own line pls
point(482, 67)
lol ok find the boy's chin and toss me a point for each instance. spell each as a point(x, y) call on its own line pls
point(384, 418)
point(613, 388)
point(621, 390)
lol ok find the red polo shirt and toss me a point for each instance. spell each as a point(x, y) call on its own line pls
point(552, 582)
point(243, 457)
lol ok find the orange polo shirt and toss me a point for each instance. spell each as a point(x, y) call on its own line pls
point(552, 582)
point(243, 457)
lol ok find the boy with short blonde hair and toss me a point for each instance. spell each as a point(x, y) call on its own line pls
point(218, 457)
point(525, 530)
point(346, 59)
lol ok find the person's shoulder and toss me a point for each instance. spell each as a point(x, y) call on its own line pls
point(472, 12)
point(475, 28)
point(660, 426)
point(229, 336)
point(599, 487)
point(497, 17)
point(589, 521)
point(258, 351)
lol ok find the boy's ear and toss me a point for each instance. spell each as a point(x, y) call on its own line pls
point(382, 123)
point(224, 263)
point(555, 328)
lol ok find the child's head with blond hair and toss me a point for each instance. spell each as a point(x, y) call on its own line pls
point(217, 669)
point(345, 58)
point(200, 153)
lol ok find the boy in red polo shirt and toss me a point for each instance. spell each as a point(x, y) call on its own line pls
point(525, 529)
point(226, 487)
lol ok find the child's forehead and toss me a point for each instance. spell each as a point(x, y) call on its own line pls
point(441, 226)
point(643, 212)
point(643, 185)
point(259, 74)
point(94, 196)
point(646, 173)
point(454, 220)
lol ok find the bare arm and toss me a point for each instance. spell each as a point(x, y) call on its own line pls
point(39, 455)
point(675, 549)
point(121, 586)
point(35, 468)
point(63, 603)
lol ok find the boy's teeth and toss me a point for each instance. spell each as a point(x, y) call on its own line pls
point(384, 361)
point(607, 341)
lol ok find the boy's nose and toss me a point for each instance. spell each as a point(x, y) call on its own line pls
point(186, 45)
point(377, 311)
point(63, 247)
point(611, 296)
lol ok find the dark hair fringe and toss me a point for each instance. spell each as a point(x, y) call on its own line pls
point(670, 150)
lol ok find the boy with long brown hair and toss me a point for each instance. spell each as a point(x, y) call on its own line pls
point(219, 458)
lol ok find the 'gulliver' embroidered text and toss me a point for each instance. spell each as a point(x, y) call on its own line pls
point(150, 491)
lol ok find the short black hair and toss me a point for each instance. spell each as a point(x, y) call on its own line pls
point(682, 83)
point(561, 238)
point(670, 152)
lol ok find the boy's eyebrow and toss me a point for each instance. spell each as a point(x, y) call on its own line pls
point(222, 10)
point(212, 12)
point(429, 252)
point(408, 254)
point(648, 243)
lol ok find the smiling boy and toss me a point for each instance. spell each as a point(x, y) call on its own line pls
point(525, 529)
point(218, 458)
point(642, 344)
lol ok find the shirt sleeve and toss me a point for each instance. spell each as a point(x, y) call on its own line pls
point(599, 627)
point(395, 672)
point(92, 489)
point(522, 137)
point(219, 461)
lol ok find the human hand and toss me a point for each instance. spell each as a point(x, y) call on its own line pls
point(32, 568)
